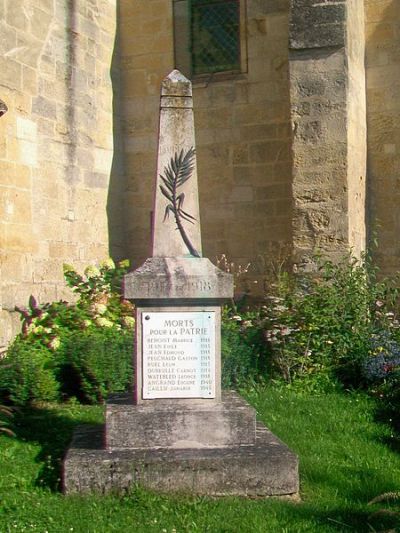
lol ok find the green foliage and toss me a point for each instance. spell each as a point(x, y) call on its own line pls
point(319, 328)
point(87, 340)
point(242, 349)
point(96, 362)
point(99, 294)
point(27, 373)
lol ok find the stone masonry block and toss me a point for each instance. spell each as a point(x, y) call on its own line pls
point(44, 107)
point(258, 464)
point(11, 73)
point(316, 25)
point(268, 468)
point(16, 15)
point(179, 424)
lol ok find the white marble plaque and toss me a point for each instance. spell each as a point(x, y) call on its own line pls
point(178, 355)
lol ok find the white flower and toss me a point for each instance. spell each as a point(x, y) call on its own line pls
point(108, 264)
point(91, 271)
point(31, 328)
point(54, 344)
point(104, 322)
point(128, 321)
point(237, 317)
point(68, 268)
point(98, 309)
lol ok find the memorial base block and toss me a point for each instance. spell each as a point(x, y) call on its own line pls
point(261, 466)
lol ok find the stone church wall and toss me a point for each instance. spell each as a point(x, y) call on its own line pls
point(55, 144)
point(281, 146)
point(327, 83)
point(383, 119)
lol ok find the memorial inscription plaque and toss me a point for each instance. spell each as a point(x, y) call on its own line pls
point(178, 354)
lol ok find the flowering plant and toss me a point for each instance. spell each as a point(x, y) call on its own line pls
point(99, 305)
point(88, 341)
point(320, 327)
point(383, 359)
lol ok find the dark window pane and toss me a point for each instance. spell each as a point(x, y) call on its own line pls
point(215, 40)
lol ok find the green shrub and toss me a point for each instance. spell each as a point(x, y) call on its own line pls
point(242, 348)
point(96, 362)
point(81, 349)
point(27, 373)
point(319, 328)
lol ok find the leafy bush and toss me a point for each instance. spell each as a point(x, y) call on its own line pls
point(242, 348)
point(96, 362)
point(321, 329)
point(87, 340)
point(27, 373)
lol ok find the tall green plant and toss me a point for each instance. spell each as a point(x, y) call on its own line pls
point(27, 373)
point(319, 328)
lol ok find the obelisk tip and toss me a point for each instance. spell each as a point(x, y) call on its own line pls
point(176, 84)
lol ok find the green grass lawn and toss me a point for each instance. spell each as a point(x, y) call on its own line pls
point(346, 459)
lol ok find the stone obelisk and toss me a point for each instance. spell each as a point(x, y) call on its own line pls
point(179, 222)
point(179, 432)
point(177, 292)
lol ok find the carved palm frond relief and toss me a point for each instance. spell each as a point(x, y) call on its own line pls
point(176, 173)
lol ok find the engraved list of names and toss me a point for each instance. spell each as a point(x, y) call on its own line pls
point(178, 355)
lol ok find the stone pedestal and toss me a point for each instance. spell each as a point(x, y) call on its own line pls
point(230, 453)
point(188, 424)
point(176, 292)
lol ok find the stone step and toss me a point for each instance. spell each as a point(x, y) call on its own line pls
point(179, 423)
point(268, 468)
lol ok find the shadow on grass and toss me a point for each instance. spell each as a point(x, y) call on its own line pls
point(53, 431)
point(339, 519)
point(389, 415)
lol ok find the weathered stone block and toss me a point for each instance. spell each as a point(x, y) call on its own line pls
point(179, 423)
point(316, 25)
point(44, 107)
point(177, 277)
point(268, 468)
